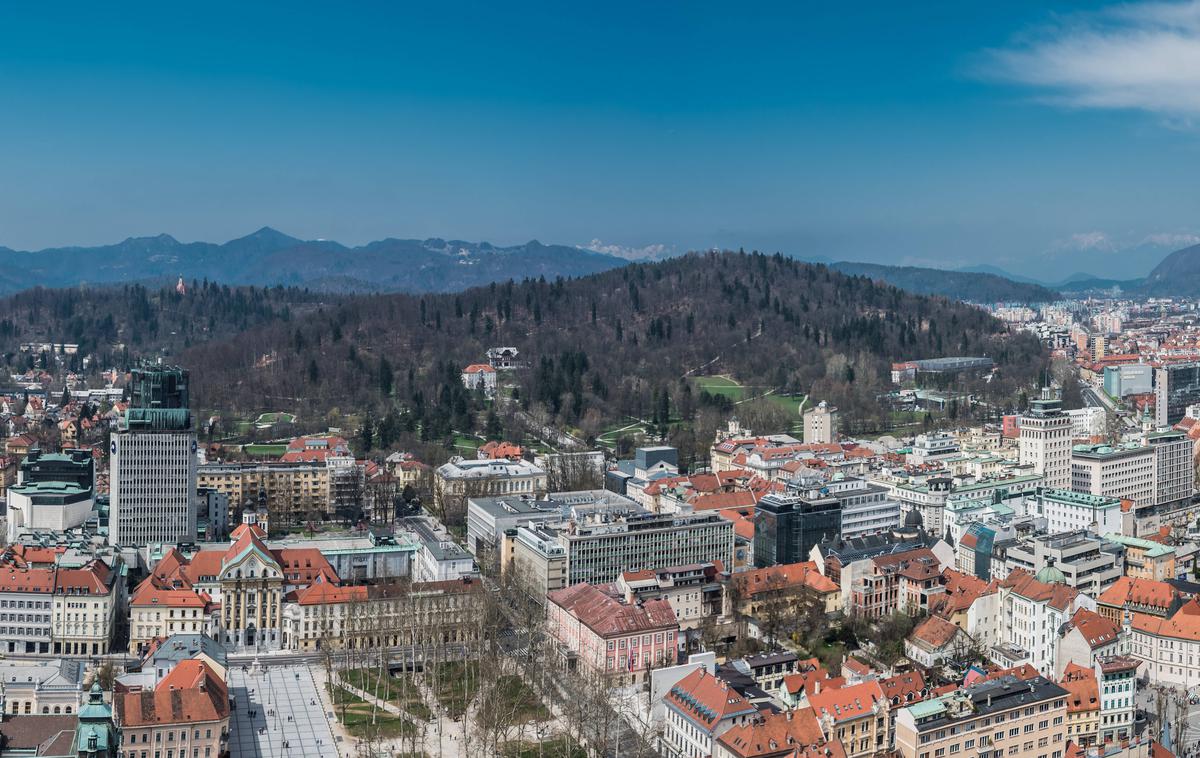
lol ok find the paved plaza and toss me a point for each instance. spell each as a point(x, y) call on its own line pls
point(289, 714)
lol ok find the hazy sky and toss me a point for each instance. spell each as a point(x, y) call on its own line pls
point(1040, 137)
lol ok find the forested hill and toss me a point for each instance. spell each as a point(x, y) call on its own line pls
point(120, 323)
point(971, 286)
point(607, 345)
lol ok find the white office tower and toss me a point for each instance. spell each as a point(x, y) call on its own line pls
point(152, 469)
point(820, 424)
point(1046, 440)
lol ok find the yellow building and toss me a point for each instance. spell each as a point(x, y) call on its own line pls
point(290, 490)
point(1006, 715)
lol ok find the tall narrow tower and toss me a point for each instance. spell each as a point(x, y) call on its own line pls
point(1045, 440)
point(152, 464)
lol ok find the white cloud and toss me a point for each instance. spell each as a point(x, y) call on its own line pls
point(630, 253)
point(1171, 240)
point(1142, 56)
point(1093, 241)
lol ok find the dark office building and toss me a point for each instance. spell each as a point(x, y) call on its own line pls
point(72, 466)
point(786, 527)
point(1176, 386)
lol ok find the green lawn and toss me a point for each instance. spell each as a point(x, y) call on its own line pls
point(391, 689)
point(356, 715)
point(720, 385)
point(264, 451)
point(469, 444)
point(790, 404)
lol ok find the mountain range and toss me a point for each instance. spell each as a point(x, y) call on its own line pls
point(270, 257)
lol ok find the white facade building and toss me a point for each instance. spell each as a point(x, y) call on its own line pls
point(1087, 422)
point(820, 424)
point(1045, 440)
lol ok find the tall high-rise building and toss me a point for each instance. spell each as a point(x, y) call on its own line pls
point(1176, 386)
point(1045, 440)
point(820, 424)
point(152, 468)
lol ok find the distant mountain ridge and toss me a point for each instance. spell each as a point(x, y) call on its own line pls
point(974, 287)
point(1177, 274)
point(270, 257)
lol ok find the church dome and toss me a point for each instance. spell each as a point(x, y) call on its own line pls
point(1051, 575)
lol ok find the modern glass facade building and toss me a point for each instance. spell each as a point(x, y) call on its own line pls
point(786, 527)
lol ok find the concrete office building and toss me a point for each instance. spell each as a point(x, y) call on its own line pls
point(1121, 471)
point(1079, 559)
point(1045, 440)
point(152, 470)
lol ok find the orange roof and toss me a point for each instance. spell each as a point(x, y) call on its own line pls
point(707, 699)
point(743, 521)
point(27, 580)
point(785, 576)
point(191, 693)
point(1024, 672)
point(1096, 629)
point(1080, 682)
point(325, 590)
point(479, 368)
point(903, 689)
point(767, 734)
point(1056, 595)
point(1180, 626)
point(935, 632)
point(1136, 591)
point(846, 703)
point(496, 450)
point(153, 591)
point(241, 529)
point(92, 579)
point(716, 500)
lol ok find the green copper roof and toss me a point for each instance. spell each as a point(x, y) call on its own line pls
point(157, 419)
point(927, 708)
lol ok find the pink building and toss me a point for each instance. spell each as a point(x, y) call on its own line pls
point(607, 636)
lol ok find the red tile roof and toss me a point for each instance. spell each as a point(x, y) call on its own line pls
point(903, 689)
point(191, 693)
point(707, 700)
point(609, 617)
point(848, 702)
point(785, 576)
point(1056, 595)
point(1080, 682)
point(1096, 629)
point(794, 734)
point(1135, 591)
point(935, 632)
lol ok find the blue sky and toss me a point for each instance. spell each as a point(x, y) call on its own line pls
point(1043, 138)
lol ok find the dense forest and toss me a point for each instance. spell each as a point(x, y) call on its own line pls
point(613, 345)
point(123, 323)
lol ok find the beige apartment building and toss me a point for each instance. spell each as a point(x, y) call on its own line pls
point(1001, 717)
point(291, 490)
